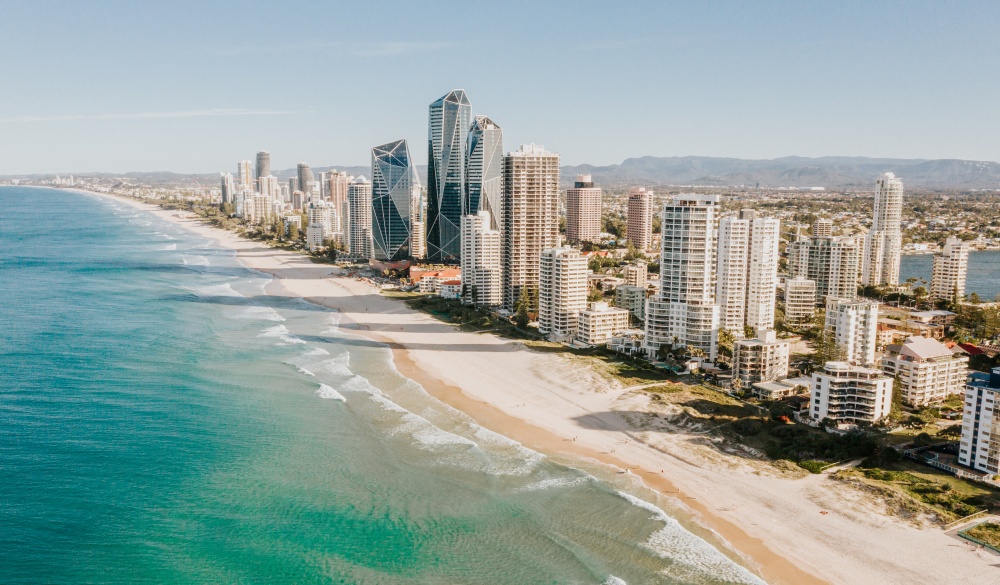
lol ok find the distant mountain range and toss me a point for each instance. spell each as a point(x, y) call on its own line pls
point(830, 172)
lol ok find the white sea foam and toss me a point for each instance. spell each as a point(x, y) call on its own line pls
point(316, 351)
point(334, 322)
point(215, 290)
point(694, 556)
point(194, 260)
point(281, 332)
point(168, 247)
point(259, 313)
point(612, 580)
point(338, 366)
point(554, 482)
point(329, 393)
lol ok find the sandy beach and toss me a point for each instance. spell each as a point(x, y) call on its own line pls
point(789, 529)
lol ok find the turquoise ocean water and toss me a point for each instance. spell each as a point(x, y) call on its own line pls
point(162, 420)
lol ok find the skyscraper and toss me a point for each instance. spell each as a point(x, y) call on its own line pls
point(747, 272)
point(883, 244)
point(446, 145)
point(336, 193)
point(227, 188)
point(640, 218)
point(530, 215)
point(358, 233)
point(951, 266)
point(684, 312)
point(484, 170)
point(731, 284)
point(244, 176)
point(395, 193)
point(482, 272)
point(306, 179)
point(762, 272)
point(583, 211)
point(830, 262)
point(263, 164)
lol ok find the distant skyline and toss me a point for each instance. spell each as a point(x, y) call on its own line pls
point(194, 87)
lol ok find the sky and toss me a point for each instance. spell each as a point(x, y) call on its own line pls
point(194, 87)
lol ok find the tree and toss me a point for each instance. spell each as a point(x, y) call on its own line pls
point(726, 342)
point(749, 332)
point(595, 295)
point(293, 231)
point(827, 349)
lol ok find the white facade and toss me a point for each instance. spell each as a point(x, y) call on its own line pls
point(583, 211)
point(763, 359)
point(927, 369)
point(530, 216)
point(320, 227)
point(562, 292)
point(831, 262)
point(884, 242)
point(480, 260)
point(684, 312)
point(762, 279)
point(980, 446)
point(853, 325)
point(800, 301)
point(640, 218)
point(244, 176)
point(599, 323)
point(358, 234)
point(850, 394)
point(747, 272)
point(636, 274)
point(731, 283)
point(951, 267)
point(822, 227)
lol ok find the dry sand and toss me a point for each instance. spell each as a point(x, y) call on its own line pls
point(772, 521)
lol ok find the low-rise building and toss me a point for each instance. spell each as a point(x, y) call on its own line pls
point(600, 322)
point(628, 342)
point(633, 299)
point(450, 289)
point(928, 370)
point(778, 389)
point(980, 446)
point(635, 274)
point(850, 394)
point(430, 280)
point(800, 301)
point(763, 359)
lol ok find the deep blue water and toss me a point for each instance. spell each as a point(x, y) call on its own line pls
point(983, 277)
point(162, 420)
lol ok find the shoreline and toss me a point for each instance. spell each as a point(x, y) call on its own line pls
point(749, 513)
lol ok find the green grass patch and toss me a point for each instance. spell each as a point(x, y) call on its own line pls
point(987, 533)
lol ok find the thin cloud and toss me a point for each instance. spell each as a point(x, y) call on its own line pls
point(370, 49)
point(212, 113)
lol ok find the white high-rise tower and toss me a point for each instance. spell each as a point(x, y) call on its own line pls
point(951, 266)
point(481, 267)
point(684, 312)
point(883, 244)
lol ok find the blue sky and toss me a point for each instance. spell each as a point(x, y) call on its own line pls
point(196, 86)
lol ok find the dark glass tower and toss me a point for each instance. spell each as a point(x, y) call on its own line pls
point(484, 171)
point(446, 145)
point(395, 197)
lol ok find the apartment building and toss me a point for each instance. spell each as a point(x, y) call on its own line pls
point(928, 370)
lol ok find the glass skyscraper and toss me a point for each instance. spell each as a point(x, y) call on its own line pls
point(484, 171)
point(447, 132)
point(395, 200)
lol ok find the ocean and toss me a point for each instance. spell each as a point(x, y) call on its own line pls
point(983, 277)
point(162, 420)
